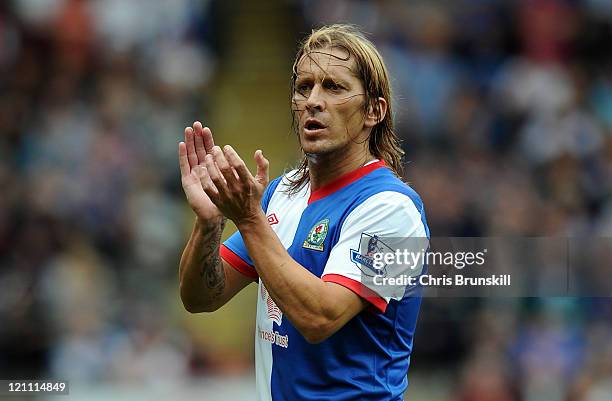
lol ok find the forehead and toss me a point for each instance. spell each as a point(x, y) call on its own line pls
point(334, 61)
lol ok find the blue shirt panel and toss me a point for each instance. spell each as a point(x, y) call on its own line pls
point(368, 358)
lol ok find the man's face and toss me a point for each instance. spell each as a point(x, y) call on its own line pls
point(328, 101)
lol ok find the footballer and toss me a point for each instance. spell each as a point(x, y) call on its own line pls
point(321, 333)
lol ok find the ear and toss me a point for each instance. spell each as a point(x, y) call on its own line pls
point(376, 112)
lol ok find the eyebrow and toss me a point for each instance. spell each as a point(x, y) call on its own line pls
point(344, 82)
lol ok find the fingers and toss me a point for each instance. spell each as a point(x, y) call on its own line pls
point(207, 183)
point(263, 165)
point(208, 139)
point(237, 164)
point(183, 161)
point(225, 168)
point(189, 142)
point(199, 141)
point(214, 173)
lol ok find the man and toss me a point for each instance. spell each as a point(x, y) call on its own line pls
point(321, 333)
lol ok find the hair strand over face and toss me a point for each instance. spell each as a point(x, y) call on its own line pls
point(383, 143)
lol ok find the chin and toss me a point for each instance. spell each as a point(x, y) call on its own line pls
point(315, 146)
point(320, 145)
point(322, 150)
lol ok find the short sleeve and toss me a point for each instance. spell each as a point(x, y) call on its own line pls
point(234, 251)
point(381, 224)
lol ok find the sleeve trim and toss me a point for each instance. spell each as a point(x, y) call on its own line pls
point(237, 262)
point(359, 289)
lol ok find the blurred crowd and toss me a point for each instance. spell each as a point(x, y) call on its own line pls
point(92, 217)
point(504, 109)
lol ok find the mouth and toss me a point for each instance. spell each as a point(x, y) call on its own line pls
point(313, 126)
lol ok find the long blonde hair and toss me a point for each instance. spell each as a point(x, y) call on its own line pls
point(383, 142)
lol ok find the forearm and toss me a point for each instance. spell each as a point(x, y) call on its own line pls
point(201, 274)
point(313, 306)
point(298, 293)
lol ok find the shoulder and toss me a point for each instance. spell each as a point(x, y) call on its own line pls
point(390, 212)
point(385, 181)
point(385, 204)
point(383, 189)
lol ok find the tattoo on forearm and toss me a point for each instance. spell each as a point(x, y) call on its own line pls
point(211, 269)
point(213, 274)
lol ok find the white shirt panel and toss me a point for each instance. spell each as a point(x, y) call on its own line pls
point(388, 215)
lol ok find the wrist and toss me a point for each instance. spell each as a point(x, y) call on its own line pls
point(252, 222)
point(208, 225)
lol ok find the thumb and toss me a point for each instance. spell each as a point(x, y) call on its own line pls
point(263, 174)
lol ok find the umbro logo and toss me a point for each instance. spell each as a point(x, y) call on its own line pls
point(272, 219)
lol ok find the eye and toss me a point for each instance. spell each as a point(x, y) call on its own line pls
point(331, 85)
point(302, 88)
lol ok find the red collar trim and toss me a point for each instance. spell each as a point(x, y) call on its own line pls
point(343, 181)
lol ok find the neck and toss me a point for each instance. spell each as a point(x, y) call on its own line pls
point(325, 168)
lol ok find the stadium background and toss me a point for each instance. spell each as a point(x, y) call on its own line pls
point(505, 110)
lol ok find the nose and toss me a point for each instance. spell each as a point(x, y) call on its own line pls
point(316, 99)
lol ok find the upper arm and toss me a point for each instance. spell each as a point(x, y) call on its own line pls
point(347, 282)
point(382, 223)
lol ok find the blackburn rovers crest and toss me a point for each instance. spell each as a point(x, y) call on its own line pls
point(317, 235)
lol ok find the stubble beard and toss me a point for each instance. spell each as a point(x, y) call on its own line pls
point(327, 155)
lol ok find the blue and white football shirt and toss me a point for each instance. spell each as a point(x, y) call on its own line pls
point(368, 358)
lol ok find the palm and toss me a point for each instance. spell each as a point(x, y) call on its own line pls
point(198, 142)
point(197, 198)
